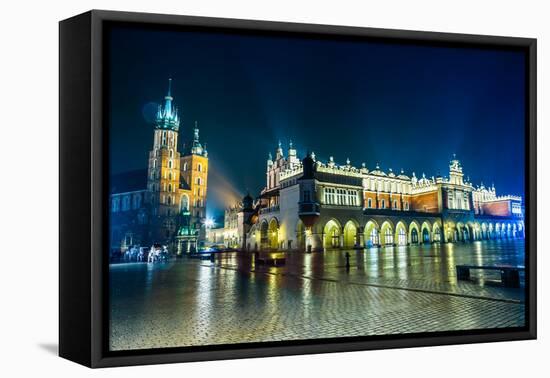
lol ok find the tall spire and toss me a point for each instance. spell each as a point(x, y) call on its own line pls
point(167, 115)
point(168, 98)
point(197, 148)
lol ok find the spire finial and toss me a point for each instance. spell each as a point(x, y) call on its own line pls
point(280, 143)
point(170, 87)
point(290, 144)
point(196, 131)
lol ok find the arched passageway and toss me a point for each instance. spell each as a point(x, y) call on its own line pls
point(273, 233)
point(350, 234)
point(372, 234)
point(331, 234)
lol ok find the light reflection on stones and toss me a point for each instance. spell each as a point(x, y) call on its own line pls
point(386, 291)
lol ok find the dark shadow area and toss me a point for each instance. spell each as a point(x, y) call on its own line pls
point(52, 348)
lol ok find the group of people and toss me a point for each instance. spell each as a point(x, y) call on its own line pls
point(157, 253)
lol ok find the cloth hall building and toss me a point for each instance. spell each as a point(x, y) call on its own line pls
point(312, 205)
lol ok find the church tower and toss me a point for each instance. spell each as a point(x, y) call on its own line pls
point(194, 170)
point(163, 173)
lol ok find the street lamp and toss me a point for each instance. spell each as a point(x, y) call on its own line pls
point(209, 223)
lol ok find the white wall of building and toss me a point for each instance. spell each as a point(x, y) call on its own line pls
point(289, 215)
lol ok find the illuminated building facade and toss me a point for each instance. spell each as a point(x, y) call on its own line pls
point(165, 204)
point(314, 205)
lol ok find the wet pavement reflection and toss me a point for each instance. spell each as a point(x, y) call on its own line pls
point(385, 291)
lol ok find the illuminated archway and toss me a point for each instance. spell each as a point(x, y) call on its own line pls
point(451, 232)
point(476, 231)
point(426, 234)
point(350, 234)
point(386, 234)
point(484, 231)
point(491, 231)
point(372, 234)
point(459, 232)
point(400, 234)
point(331, 234)
point(414, 233)
point(498, 231)
point(437, 236)
point(521, 230)
point(264, 237)
point(273, 233)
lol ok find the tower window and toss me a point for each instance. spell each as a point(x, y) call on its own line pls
point(383, 204)
point(369, 203)
point(169, 163)
point(185, 166)
point(199, 167)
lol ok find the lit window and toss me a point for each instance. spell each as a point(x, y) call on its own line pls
point(115, 204)
point(126, 203)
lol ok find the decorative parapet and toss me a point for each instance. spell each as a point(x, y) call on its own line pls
point(289, 173)
point(345, 170)
point(507, 197)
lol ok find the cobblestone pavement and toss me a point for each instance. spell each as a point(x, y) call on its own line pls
point(386, 291)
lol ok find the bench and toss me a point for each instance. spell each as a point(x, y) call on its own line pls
point(509, 275)
point(273, 260)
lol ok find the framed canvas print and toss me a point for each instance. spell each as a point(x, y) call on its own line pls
point(233, 188)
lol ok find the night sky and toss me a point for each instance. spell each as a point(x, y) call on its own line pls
point(403, 106)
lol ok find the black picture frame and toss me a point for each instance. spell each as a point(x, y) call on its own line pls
point(83, 196)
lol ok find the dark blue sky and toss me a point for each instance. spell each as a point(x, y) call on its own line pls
point(404, 106)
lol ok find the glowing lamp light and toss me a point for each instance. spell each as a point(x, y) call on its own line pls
point(209, 223)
